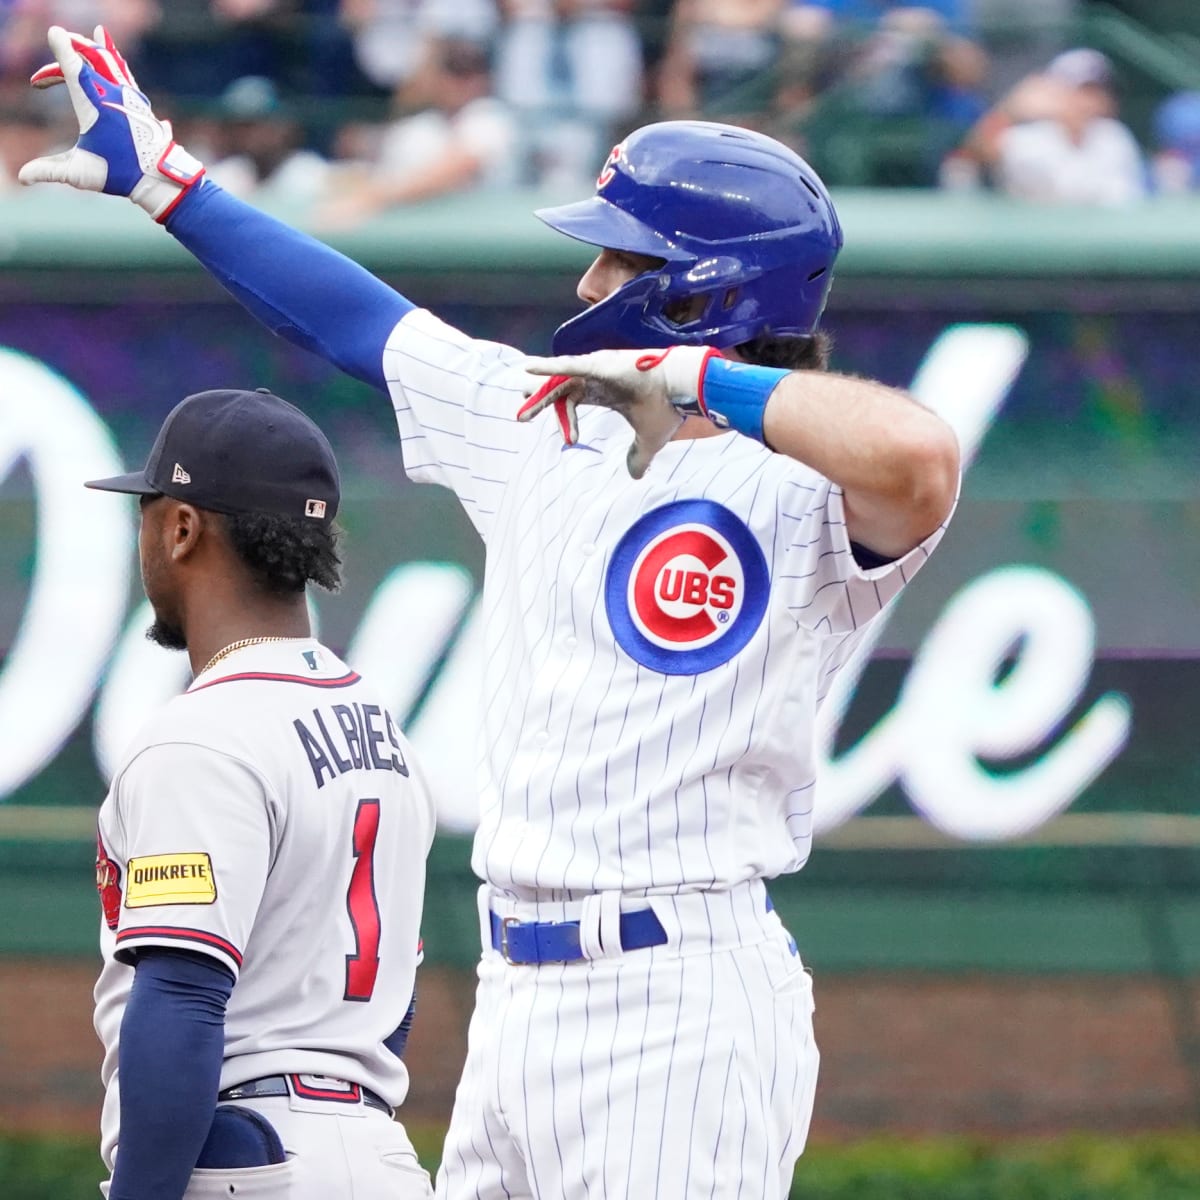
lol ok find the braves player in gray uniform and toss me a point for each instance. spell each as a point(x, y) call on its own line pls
point(261, 852)
point(661, 622)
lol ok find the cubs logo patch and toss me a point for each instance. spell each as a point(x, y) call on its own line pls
point(108, 884)
point(686, 588)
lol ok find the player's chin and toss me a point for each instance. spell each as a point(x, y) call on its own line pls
point(166, 634)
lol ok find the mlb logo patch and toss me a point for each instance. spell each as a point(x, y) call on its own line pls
point(314, 508)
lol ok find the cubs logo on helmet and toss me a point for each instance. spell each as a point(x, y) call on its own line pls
point(609, 170)
point(687, 588)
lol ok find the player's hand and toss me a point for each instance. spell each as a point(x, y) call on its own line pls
point(123, 148)
point(654, 390)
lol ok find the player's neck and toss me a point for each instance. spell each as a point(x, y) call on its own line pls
point(214, 630)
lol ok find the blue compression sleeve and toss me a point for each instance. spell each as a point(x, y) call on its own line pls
point(297, 286)
point(171, 1050)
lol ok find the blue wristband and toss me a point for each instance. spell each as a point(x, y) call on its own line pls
point(736, 394)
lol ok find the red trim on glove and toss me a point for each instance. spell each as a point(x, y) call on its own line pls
point(564, 420)
point(542, 392)
point(164, 168)
point(712, 352)
point(95, 58)
point(647, 362)
point(44, 76)
point(560, 406)
point(111, 47)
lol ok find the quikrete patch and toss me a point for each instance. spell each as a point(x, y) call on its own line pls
point(170, 879)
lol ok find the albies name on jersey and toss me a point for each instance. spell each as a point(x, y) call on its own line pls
point(350, 737)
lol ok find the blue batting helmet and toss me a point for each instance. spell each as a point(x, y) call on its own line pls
point(745, 227)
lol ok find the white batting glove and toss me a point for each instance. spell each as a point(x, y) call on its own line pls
point(123, 148)
point(654, 390)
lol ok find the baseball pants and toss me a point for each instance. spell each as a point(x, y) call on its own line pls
point(362, 1154)
point(677, 1072)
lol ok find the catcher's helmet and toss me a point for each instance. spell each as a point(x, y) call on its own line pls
point(741, 220)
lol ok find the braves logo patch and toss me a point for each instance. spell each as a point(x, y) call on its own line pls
point(686, 588)
point(108, 884)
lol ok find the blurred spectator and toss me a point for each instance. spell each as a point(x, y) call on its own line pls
point(913, 65)
point(953, 14)
point(1021, 36)
point(574, 69)
point(720, 58)
point(1176, 162)
point(259, 141)
point(880, 100)
point(25, 132)
point(23, 25)
point(199, 47)
point(391, 37)
point(1056, 138)
point(464, 138)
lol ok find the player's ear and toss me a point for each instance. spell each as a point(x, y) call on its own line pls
point(184, 528)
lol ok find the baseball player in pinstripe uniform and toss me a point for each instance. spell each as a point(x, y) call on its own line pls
point(662, 619)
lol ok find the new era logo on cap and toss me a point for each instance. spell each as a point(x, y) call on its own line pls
point(314, 508)
point(179, 475)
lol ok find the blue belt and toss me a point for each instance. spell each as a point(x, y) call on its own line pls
point(524, 943)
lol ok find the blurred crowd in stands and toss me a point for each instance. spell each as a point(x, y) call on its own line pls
point(352, 107)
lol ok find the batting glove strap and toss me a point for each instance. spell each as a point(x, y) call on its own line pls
point(734, 395)
point(176, 172)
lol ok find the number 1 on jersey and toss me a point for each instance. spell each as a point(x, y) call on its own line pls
point(363, 966)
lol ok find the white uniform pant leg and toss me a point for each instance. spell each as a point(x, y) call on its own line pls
point(366, 1155)
point(480, 1160)
point(653, 1076)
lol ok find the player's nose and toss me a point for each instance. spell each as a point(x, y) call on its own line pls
point(595, 284)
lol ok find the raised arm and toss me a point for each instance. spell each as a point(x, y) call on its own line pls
point(294, 284)
point(896, 462)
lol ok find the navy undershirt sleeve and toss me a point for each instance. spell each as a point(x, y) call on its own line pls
point(398, 1038)
point(171, 1049)
point(297, 286)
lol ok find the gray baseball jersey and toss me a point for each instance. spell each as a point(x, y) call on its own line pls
point(271, 817)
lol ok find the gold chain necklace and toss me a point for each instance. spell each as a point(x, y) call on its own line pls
point(251, 641)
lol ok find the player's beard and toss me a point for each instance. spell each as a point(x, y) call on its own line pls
point(165, 634)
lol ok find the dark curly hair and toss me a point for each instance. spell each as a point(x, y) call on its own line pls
point(789, 353)
point(283, 554)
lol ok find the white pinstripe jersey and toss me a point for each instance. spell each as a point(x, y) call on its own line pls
point(655, 649)
point(271, 818)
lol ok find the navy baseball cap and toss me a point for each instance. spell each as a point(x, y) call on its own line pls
point(238, 452)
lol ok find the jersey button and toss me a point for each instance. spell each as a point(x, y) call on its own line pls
point(571, 641)
point(588, 547)
point(542, 736)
